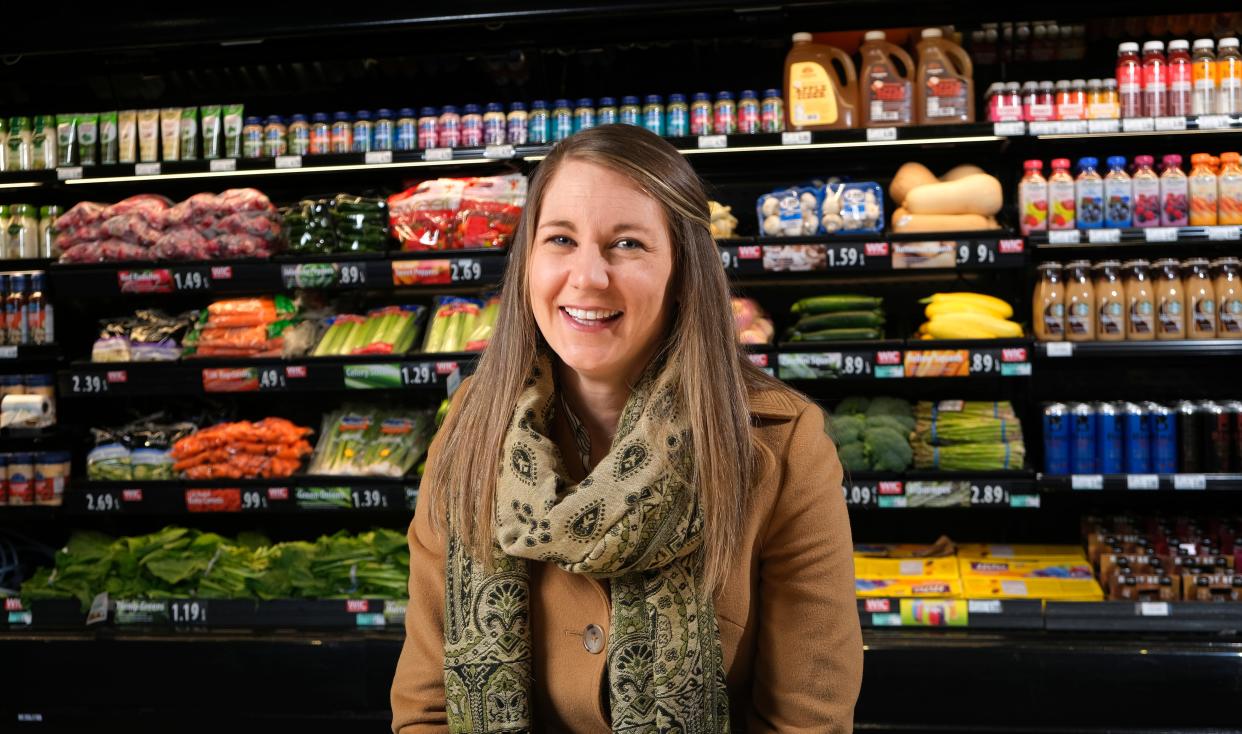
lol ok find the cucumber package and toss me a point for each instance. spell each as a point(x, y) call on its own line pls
point(846, 317)
point(343, 223)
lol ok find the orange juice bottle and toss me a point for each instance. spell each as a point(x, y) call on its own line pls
point(945, 87)
point(1202, 191)
point(818, 98)
point(1229, 190)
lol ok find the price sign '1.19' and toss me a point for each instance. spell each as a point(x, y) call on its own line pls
point(187, 612)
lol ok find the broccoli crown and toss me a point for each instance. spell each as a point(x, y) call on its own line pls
point(846, 429)
point(888, 449)
point(856, 405)
point(890, 406)
point(901, 424)
point(854, 457)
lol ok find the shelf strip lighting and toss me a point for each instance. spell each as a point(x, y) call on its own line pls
point(21, 185)
point(275, 171)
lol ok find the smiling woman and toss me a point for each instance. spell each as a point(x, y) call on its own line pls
point(623, 524)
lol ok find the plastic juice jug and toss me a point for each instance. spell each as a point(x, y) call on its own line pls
point(819, 98)
point(1180, 85)
point(1033, 198)
point(945, 87)
point(1228, 77)
point(886, 91)
point(1203, 77)
point(1174, 193)
point(1202, 185)
point(1229, 190)
point(1155, 80)
point(1146, 183)
point(1089, 192)
point(1118, 194)
point(1061, 194)
point(1129, 80)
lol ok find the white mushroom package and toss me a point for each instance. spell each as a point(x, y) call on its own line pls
point(822, 209)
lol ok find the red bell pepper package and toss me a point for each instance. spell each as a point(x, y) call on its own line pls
point(423, 217)
point(490, 209)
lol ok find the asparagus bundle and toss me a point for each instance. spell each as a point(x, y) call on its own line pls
point(969, 456)
point(956, 422)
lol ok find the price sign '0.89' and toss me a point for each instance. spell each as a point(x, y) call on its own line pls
point(984, 363)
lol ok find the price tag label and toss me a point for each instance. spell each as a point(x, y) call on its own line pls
point(352, 274)
point(69, 173)
point(1042, 127)
point(977, 253)
point(728, 258)
point(187, 611)
point(8, 352)
point(103, 500)
point(984, 606)
point(860, 495)
point(222, 165)
point(146, 169)
point(989, 495)
point(253, 500)
point(370, 499)
point(465, 270)
point(198, 279)
point(1223, 234)
point(1189, 482)
point(1064, 237)
point(1138, 125)
point(438, 154)
point(796, 137)
point(984, 363)
point(881, 134)
point(1103, 126)
point(1212, 122)
point(845, 257)
point(1165, 124)
point(1153, 609)
point(377, 157)
point(1161, 234)
point(1060, 349)
point(713, 141)
point(1071, 127)
point(1024, 501)
point(1103, 236)
point(272, 378)
point(87, 384)
point(1009, 129)
point(288, 161)
point(418, 374)
point(1087, 481)
point(1143, 481)
point(499, 151)
point(858, 364)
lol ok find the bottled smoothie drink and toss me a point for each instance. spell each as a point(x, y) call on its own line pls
point(1110, 302)
point(1146, 186)
point(1033, 198)
point(1129, 80)
point(1229, 190)
point(1118, 194)
point(1048, 305)
point(1155, 80)
point(1200, 300)
point(1061, 194)
point(1228, 77)
point(1174, 193)
point(1079, 302)
point(1140, 301)
point(1089, 191)
point(1203, 77)
point(1180, 78)
point(1228, 284)
point(1170, 299)
point(1202, 186)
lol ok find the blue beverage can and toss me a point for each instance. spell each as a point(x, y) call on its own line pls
point(562, 120)
point(606, 113)
point(653, 114)
point(1164, 447)
point(677, 116)
point(538, 129)
point(1082, 438)
point(1056, 439)
point(1110, 453)
point(630, 113)
point(383, 133)
point(584, 115)
point(1138, 439)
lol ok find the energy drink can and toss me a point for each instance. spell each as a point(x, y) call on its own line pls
point(1163, 421)
point(1082, 438)
point(1110, 438)
point(1138, 439)
point(1216, 437)
point(1233, 409)
point(1189, 437)
point(1056, 439)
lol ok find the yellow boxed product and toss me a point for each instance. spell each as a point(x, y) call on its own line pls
point(979, 587)
point(998, 550)
point(883, 568)
point(909, 587)
point(1025, 569)
point(941, 548)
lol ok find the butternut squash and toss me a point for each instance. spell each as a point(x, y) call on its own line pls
point(904, 221)
point(977, 193)
point(909, 176)
point(961, 171)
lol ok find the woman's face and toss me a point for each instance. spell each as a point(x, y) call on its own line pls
point(600, 266)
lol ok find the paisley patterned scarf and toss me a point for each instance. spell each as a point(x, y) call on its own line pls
point(633, 520)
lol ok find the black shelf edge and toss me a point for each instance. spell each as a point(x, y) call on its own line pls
point(968, 614)
point(929, 489)
point(904, 359)
point(1129, 127)
point(1072, 241)
point(289, 495)
point(1069, 351)
point(775, 257)
point(1088, 484)
point(207, 614)
point(1123, 616)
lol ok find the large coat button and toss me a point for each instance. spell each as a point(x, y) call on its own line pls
point(593, 639)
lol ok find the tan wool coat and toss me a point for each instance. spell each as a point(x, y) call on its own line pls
point(788, 622)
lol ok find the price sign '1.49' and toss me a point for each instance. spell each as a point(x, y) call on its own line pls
point(191, 280)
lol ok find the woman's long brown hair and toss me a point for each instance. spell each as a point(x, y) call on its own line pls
point(715, 372)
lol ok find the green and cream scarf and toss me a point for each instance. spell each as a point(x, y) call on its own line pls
point(634, 521)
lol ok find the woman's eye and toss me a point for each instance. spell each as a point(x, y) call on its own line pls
point(560, 239)
point(628, 244)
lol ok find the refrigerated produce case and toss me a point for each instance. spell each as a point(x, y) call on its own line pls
point(1012, 659)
